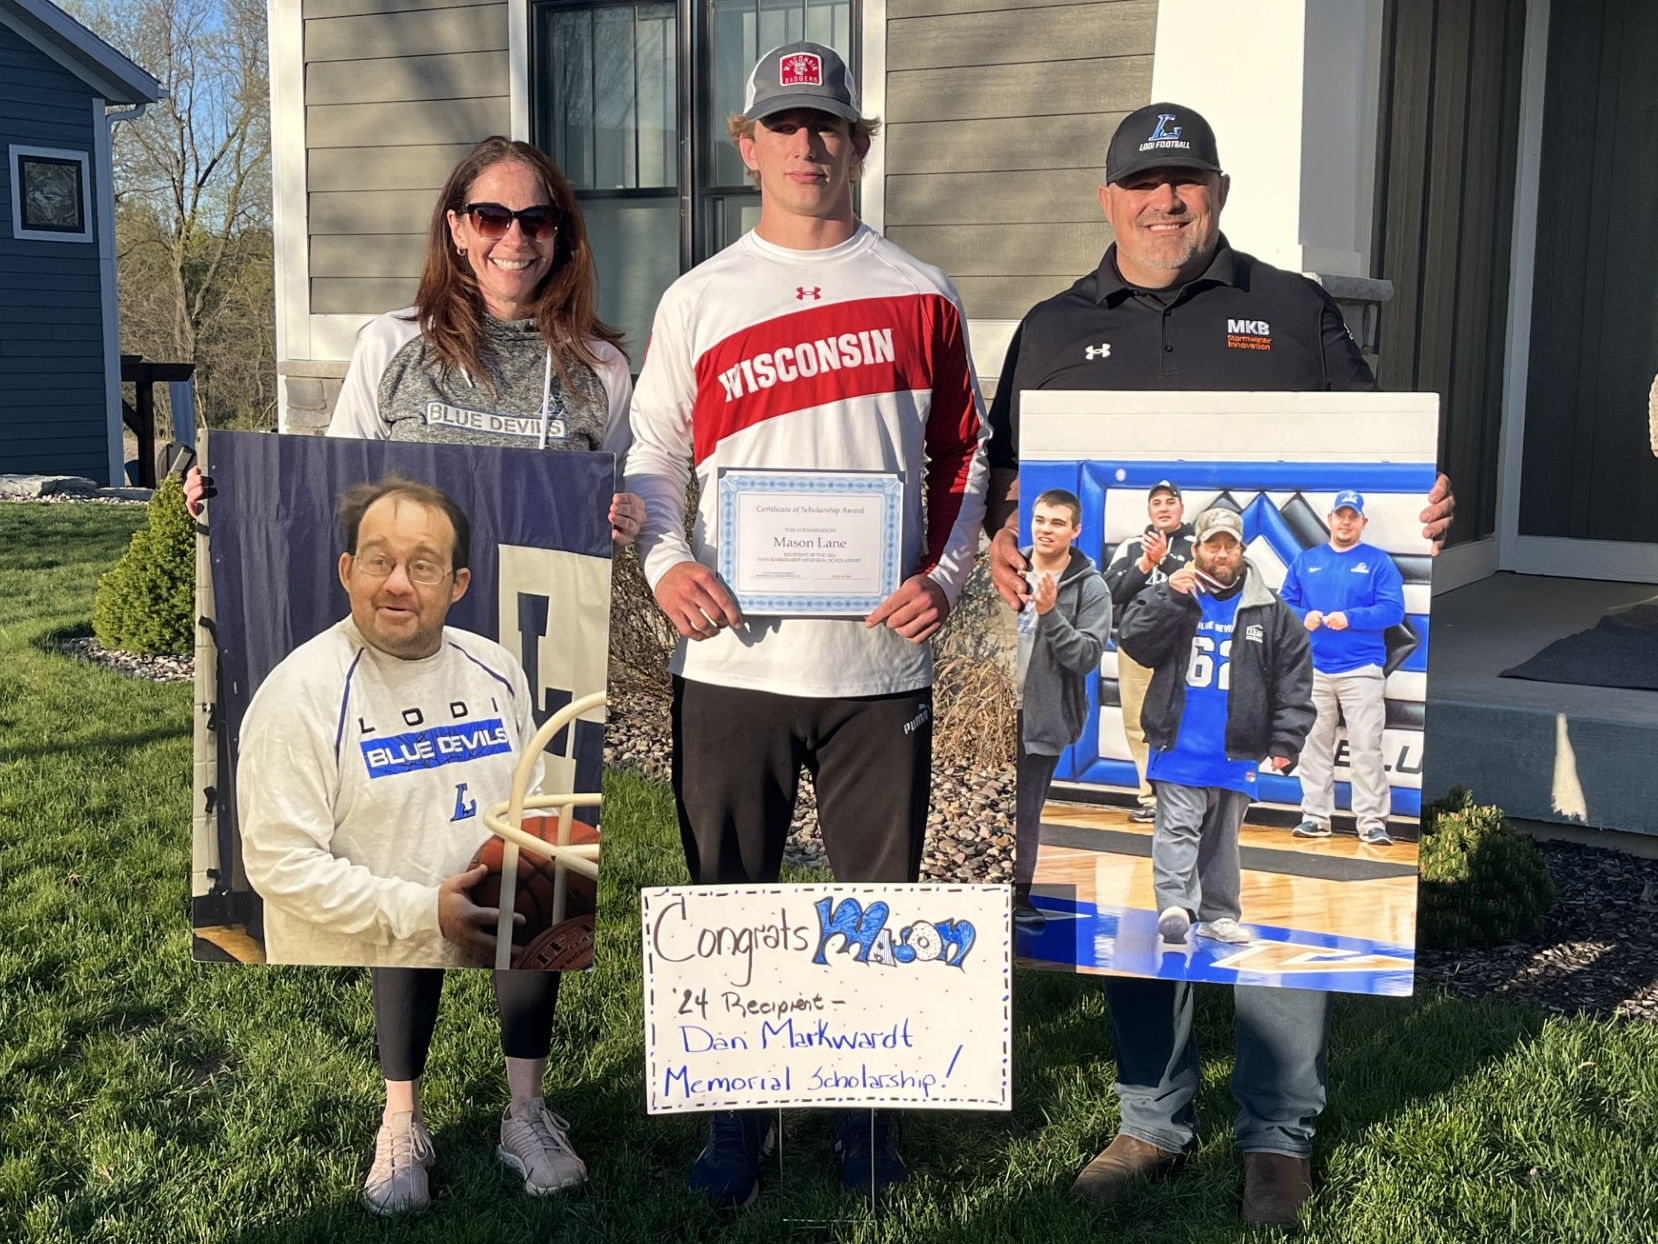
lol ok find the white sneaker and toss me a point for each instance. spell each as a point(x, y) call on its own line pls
point(1173, 924)
point(403, 1152)
point(1225, 929)
point(1375, 836)
point(535, 1143)
point(1311, 829)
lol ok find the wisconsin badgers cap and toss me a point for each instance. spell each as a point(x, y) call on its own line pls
point(1161, 136)
point(801, 75)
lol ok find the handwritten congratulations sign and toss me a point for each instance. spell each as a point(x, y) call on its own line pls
point(827, 995)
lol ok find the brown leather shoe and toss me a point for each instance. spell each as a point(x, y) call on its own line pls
point(1275, 1187)
point(1120, 1165)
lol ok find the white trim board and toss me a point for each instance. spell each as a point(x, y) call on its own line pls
point(518, 69)
point(1464, 564)
point(872, 78)
point(988, 340)
point(102, 210)
point(1511, 434)
point(288, 188)
point(1616, 560)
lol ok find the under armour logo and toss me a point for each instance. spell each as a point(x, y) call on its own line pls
point(801, 293)
point(1101, 351)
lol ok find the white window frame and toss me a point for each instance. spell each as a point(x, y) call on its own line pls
point(14, 156)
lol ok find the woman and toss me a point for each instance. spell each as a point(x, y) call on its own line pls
point(502, 347)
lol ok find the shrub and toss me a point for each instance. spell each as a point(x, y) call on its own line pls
point(147, 602)
point(1482, 882)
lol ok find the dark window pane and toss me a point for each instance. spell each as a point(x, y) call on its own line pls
point(612, 100)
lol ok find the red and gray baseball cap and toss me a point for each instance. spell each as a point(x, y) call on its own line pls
point(1161, 136)
point(801, 75)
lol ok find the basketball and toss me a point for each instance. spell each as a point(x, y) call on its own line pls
point(533, 897)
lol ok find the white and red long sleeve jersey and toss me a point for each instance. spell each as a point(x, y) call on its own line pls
point(852, 358)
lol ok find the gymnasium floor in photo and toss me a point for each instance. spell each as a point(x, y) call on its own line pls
point(1329, 913)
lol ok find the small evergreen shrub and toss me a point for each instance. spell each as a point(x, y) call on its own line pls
point(1482, 883)
point(147, 602)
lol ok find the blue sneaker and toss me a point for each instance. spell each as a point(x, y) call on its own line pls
point(728, 1168)
point(866, 1141)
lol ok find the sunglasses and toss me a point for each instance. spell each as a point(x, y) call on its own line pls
point(492, 220)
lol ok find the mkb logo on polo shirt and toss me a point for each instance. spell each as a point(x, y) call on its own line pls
point(1248, 335)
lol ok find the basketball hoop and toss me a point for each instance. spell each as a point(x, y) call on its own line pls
point(506, 821)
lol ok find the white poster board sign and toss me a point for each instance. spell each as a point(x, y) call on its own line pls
point(827, 995)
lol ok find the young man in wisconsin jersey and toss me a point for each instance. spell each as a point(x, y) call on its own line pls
point(1231, 684)
point(1347, 593)
point(810, 343)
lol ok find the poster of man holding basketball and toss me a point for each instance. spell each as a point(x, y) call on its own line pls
point(369, 752)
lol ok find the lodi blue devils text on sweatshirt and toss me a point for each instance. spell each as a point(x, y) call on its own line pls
point(1361, 583)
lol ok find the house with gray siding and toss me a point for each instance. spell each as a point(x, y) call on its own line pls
point(1395, 150)
point(61, 88)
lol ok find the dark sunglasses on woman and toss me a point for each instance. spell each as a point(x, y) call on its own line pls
point(493, 220)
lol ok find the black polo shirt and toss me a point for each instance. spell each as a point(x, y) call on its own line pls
point(1242, 325)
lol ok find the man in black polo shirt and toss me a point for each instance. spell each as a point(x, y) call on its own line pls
point(1173, 306)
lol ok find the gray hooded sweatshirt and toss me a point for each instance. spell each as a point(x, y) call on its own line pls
point(1058, 654)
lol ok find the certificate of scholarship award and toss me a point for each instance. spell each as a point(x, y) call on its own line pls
point(810, 543)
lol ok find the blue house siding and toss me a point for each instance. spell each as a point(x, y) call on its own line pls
point(53, 416)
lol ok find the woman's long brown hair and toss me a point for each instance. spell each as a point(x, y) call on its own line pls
point(448, 304)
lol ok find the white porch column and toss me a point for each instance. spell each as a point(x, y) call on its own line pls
point(1291, 88)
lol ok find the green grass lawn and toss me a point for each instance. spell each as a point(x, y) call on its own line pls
point(146, 1097)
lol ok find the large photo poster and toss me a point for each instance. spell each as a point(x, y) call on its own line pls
point(1235, 634)
point(388, 656)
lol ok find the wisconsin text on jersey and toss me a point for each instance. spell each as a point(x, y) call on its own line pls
point(786, 364)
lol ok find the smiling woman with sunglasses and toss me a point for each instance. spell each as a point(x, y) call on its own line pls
point(504, 345)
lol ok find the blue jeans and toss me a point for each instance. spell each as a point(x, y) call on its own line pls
point(1279, 1078)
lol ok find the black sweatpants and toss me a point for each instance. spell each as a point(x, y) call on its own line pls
point(1035, 773)
point(406, 1012)
point(737, 756)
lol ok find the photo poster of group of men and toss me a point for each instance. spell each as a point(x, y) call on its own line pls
point(1316, 887)
point(540, 570)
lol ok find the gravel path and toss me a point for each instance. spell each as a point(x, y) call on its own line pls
point(1596, 955)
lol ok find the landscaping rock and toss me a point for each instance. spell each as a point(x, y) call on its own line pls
point(37, 487)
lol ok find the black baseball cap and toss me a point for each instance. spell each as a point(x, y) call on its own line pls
point(801, 75)
point(1163, 485)
point(1161, 136)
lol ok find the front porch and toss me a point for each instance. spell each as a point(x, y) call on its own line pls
point(1551, 752)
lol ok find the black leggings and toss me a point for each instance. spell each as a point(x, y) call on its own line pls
point(406, 1012)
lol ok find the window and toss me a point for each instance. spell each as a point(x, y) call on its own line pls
point(632, 106)
point(49, 195)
